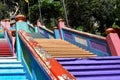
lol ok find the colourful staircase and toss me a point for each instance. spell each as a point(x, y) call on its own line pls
point(11, 69)
point(4, 48)
point(61, 48)
point(98, 68)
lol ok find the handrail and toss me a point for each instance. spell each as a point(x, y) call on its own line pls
point(46, 32)
point(49, 64)
point(31, 28)
point(93, 43)
point(11, 40)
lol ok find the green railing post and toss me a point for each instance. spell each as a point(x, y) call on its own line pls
point(20, 25)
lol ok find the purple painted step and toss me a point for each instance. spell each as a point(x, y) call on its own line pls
point(106, 68)
point(105, 58)
point(93, 67)
point(90, 62)
point(96, 73)
point(100, 78)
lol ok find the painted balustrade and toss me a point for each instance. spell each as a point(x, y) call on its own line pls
point(46, 32)
point(30, 61)
point(8, 34)
point(93, 43)
point(40, 64)
point(33, 69)
point(31, 28)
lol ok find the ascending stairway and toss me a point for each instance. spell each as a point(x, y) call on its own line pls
point(99, 68)
point(61, 48)
point(11, 69)
point(4, 48)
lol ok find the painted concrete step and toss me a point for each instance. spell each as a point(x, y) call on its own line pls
point(11, 66)
point(117, 77)
point(12, 57)
point(3, 52)
point(4, 49)
point(6, 55)
point(96, 73)
point(105, 58)
point(13, 77)
point(9, 71)
point(7, 61)
point(71, 56)
point(94, 68)
point(61, 48)
point(87, 62)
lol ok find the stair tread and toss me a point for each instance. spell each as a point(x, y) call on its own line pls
point(106, 58)
point(106, 72)
point(92, 62)
point(93, 67)
point(69, 52)
point(117, 77)
point(10, 66)
point(61, 48)
point(71, 56)
point(14, 77)
point(10, 62)
point(11, 71)
point(10, 57)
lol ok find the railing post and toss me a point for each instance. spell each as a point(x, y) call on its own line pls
point(56, 33)
point(61, 24)
point(7, 23)
point(19, 19)
point(36, 29)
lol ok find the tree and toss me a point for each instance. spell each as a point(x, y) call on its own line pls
point(50, 10)
point(4, 11)
point(81, 11)
point(117, 12)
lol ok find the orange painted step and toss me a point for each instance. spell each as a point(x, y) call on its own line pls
point(61, 48)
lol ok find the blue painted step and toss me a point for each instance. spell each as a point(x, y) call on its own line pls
point(97, 68)
point(11, 70)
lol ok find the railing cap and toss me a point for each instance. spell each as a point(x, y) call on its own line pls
point(60, 20)
point(20, 18)
point(110, 30)
point(55, 27)
point(7, 20)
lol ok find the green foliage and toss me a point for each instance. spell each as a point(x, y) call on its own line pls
point(79, 28)
point(115, 26)
point(81, 11)
point(117, 12)
point(4, 11)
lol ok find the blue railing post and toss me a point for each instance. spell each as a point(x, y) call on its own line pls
point(56, 33)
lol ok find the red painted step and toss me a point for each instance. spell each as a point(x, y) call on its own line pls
point(4, 48)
